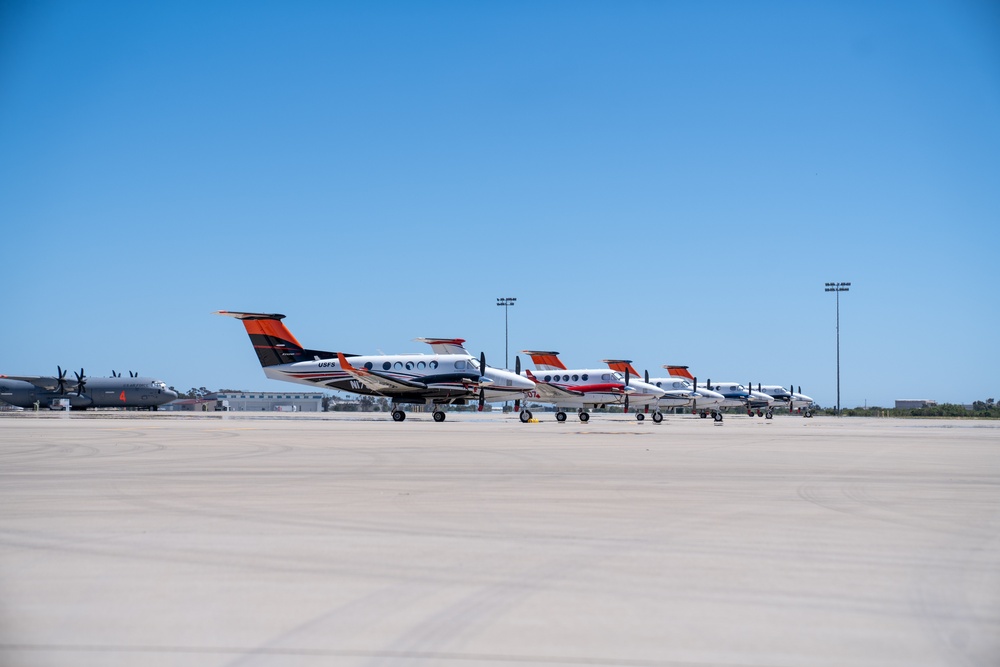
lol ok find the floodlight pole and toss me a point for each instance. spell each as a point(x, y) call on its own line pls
point(838, 288)
point(506, 302)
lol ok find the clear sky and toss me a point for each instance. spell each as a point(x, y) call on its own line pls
point(670, 182)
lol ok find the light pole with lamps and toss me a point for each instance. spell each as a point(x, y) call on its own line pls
point(506, 302)
point(838, 288)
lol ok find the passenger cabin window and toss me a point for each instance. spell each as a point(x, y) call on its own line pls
point(398, 365)
point(606, 377)
point(433, 364)
point(576, 378)
point(547, 378)
point(460, 365)
point(421, 364)
point(368, 365)
point(409, 365)
point(386, 366)
point(585, 377)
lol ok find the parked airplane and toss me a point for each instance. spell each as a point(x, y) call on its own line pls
point(790, 398)
point(679, 391)
point(81, 392)
point(449, 376)
point(586, 388)
point(734, 393)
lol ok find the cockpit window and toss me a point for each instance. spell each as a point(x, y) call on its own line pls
point(460, 365)
point(618, 376)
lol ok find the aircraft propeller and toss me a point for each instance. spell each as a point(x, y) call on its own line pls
point(81, 382)
point(517, 371)
point(482, 372)
point(626, 389)
point(115, 375)
point(694, 397)
point(61, 380)
point(646, 380)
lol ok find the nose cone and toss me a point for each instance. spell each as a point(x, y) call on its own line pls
point(523, 383)
point(508, 379)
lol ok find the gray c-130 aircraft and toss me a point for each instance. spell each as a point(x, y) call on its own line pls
point(83, 392)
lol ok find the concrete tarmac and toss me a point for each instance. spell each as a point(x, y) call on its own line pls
point(297, 540)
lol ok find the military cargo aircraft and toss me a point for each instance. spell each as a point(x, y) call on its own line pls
point(82, 392)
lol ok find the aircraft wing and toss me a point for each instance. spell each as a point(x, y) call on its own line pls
point(551, 392)
point(548, 392)
point(378, 382)
point(46, 382)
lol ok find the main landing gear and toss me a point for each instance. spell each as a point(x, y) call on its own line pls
point(398, 415)
point(525, 416)
point(583, 414)
point(716, 415)
point(657, 416)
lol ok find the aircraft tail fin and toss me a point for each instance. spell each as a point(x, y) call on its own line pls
point(679, 371)
point(272, 341)
point(445, 345)
point(545, 361)
point(623, 365)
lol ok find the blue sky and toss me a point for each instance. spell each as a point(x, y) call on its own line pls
point(670, 182)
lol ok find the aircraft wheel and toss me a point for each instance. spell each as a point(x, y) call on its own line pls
point(768, 415)
point(525, 416)
point(398, 415)
point(808, 413)
point(585, 417)
point(749, 413)
point(560, 416)
point(639, 416)
point(657, 417)
point(704, 414)
point(439, 416)
point(717, 416)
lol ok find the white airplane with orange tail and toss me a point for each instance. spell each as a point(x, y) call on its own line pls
point(449, 376)
point(586, 388)
point(733, 393)
point(679, 391)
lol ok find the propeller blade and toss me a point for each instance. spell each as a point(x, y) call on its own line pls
point(626, 389)
point(517, 364)
point(694, 401)
point(61, 379)
point(647, 376)
point(482, 398)
point(81, 382)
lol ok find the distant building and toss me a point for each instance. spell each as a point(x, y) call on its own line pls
point(914, 403)
point(266, 401)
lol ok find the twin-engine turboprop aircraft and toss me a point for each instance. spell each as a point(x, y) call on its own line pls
point(586, 388)
point(82, 392)
point(789, 398)
point(678, 391)
point(449, 376)
point(734, 393)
